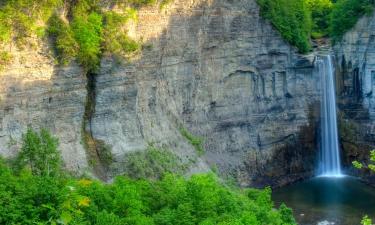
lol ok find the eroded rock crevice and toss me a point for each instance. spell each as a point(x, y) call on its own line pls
point(99, 154)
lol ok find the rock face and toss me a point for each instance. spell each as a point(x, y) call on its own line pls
point(214, 67)
point(34, 92)
point(355, 56)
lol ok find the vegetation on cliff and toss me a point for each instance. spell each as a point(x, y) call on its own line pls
point(371, 167)
point(345, 15)
point(87, 29)
point(299, 20)
point(292, 18)
point(195, 141)
point(82, 29)
point(36, 190)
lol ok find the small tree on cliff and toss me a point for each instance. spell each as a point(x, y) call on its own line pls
point(39, 153)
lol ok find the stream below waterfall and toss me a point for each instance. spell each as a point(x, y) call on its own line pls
point(339, 201)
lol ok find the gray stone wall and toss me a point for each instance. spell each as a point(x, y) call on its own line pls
point(214, 67)
point(355, 56)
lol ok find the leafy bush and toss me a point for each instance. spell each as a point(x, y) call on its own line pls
point(370, 166)
point(152, 163)
point(172, 200)
point(345, 15)
point(291, 18)
point(33, 196)
point(39, 153)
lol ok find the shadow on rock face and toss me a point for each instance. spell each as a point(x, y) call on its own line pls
point(294, 158)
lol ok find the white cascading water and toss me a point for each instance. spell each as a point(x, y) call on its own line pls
point(329, 164)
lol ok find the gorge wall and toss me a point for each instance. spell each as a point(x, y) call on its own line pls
point(213, 67)
point(355, 56)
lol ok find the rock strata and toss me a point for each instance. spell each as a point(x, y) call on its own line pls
point(213, 67)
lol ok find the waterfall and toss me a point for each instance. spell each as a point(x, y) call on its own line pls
point(329, 164)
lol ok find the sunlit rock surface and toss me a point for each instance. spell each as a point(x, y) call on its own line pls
point(214, 67)
point(36, 93)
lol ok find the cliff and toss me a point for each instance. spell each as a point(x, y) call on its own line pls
point(214, 68)
point(355, 56)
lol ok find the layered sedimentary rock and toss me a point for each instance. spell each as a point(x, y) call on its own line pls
point(355, 56)
point(218, 69)
point(215, 68)
point(35, 93)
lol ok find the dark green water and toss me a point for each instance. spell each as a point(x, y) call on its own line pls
point(343, 201)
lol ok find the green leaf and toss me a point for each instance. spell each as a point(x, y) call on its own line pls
point(357, 164)
point(66, 217)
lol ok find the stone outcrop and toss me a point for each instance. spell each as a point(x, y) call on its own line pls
point(355, 56)
point(214, 67)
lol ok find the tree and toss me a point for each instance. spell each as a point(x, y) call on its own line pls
point(39, 153)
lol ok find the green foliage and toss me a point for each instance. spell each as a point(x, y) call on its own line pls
point(152, 163)
point(116, 42)
point(320, 14)
point(366, 221)
point(39, 153)
point(197, 142)
point(5, 58)
point(33, 196)
point(345, 14)
point(357, 165)
point(88, 31)
point(370, 166)
point(287, 214)
point(18, 18)
point(63, 37)
point(297, 20)
point(172, 200)
point(164, 3)
point(291, 18)
point(83, 33)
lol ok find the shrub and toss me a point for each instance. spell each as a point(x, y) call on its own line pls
point(152, 163)
point(88, 31)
